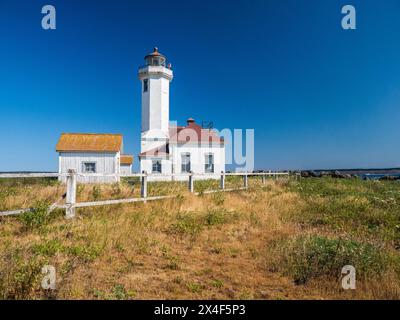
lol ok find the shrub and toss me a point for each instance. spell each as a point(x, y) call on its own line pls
point(20, 275)
point(215, 217)
point(186, 224)
point(47, 248)
point(83, 252)
point(308, 257)
point(37, 216)
point(119, 292)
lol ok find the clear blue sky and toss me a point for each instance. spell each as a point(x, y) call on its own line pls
point(317, 96)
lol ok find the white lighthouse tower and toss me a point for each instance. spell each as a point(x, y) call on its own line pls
point(155, 77)
point(168, 148)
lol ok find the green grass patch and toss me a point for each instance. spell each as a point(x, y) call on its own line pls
point(37, 216)
point(363, 209)
point(308, 257)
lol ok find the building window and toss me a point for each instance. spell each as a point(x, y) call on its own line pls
point(185, 157)
point(89, 167)
point(156, 166)
point(209, 163)
point(145, 85)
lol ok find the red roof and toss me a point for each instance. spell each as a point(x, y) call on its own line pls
point(189, 134)
point(193, 133)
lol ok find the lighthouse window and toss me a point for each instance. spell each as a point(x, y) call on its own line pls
point(185, 165)
point(156, 166)
point(145, 85)
point(209, 163)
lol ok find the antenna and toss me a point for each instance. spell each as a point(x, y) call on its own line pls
point(207, 124)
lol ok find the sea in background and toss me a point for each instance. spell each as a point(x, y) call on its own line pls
point(367, 174)
point(375, 176)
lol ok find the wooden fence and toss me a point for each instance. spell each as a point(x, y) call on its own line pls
point(71, 205)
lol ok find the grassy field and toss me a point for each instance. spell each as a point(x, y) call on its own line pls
point(286, 239)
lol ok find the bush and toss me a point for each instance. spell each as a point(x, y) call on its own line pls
point(37, 216)
point(215, 217)
point(20, 275)
point(193, 224)
point(186, 224)
point(308, 257)
point(84, 252)
point(47, 248)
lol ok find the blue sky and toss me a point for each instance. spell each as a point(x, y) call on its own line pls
point(316, 95)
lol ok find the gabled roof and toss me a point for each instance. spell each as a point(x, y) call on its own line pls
point(193, 133)
point(92, 142)
point(126, 159)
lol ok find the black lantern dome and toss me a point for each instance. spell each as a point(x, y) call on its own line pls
point(155, 58)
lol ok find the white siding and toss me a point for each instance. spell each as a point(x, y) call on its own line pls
point(155, 102)
point(197, 160)
point(106, 163)
point(146, 164)
point(126, 169)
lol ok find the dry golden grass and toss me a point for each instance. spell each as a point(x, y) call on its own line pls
point(218, 246)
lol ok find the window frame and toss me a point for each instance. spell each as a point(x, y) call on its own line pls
point(84, 169)
point(187, 166)
point(206, 163)
point(153, 162)
point(145, 85)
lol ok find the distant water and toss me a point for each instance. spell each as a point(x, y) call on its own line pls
point(375, 176)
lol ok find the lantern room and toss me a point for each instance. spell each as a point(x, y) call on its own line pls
point(155, 58)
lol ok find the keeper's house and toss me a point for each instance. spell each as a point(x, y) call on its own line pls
point(93, 155)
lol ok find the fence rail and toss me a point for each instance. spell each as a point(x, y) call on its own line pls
point(71, 205)
point(158, 175)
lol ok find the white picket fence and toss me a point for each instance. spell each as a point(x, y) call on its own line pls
point(71, 205)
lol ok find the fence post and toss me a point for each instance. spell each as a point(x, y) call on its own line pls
point(263, 179)
point(222, 185)
point(191, 184)
point(245, 181)
point(71, 194)
point(143, 187)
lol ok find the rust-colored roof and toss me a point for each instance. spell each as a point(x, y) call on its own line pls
point(155, 53)
point(193, 133)
point(126, 159)
point(161, 151)
point(94, 142)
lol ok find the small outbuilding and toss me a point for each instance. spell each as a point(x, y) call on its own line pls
point(126, 164)
point(96, 156)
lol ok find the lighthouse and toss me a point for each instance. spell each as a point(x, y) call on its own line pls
point(170, 149)
point(155, 77)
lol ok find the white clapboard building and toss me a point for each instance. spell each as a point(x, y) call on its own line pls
point(169, 148)
point(126, 164)
point(99, 157)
